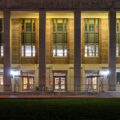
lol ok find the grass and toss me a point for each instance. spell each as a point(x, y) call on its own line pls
point(60, 109)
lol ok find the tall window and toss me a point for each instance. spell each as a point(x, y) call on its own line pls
point(91, 37)
point(59, 37)
point(1, 36)
point(118, 77)
point(118, 37)
point(28, 37)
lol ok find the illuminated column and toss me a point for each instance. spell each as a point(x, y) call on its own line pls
point(7, 79)
point(77, 50)
point(112, 50)
point(42, 63)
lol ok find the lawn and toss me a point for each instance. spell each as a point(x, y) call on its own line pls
point(60, 109)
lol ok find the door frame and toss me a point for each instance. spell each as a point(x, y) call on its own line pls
point(63, 71)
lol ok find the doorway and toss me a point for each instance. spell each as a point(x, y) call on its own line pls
point(28, 83)
point(92, 81)
point(59, 81)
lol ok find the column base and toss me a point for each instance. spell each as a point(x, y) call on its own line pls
point(7, 88)
point(42, 88)
point(112, 88)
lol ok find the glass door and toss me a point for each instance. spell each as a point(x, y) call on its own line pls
point(59, 81)
point(92, 84)
point(62, 83)
point(28, 83)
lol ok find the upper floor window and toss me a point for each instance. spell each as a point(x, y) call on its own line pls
point(118, 37)
point(91, 37)
point(1, 36)
point(28, 37)
point(59, 37)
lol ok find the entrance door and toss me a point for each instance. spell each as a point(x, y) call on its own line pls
point(59, 82)
point(92, 83)
point(28, 83)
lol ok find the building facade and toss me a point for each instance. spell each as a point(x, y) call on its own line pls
point(59, 46)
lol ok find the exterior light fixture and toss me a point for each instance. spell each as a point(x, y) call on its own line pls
point(105, 72)
point(14, 72)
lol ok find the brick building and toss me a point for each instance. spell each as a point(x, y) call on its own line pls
point(59, 46)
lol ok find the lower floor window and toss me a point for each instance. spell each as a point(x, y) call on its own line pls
point(91, 50)
point(118, 77)
point(28, 50)
point(1, 50)
point(60, 49)
point(1, 80)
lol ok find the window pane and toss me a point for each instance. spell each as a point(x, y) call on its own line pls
point(117, 27)
point(59, 50)
point(118, 77)
point(65, 27)
point(97, 49)
point(23, 50)
point(53, 27)
point(2, 50)
point(28, 50)
point(91, 50)
point(117, 50)
point(54, 50)
point(86, 48)
point(1, 80)
point(34, 50)
point(59, 27)
point(27, 37)
point(85, 27)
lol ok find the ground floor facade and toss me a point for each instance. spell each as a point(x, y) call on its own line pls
point(59, 78)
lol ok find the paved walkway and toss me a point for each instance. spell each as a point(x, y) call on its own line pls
point(47, 96)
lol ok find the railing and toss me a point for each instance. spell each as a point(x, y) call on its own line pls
point(60, 37)
point(84, 88)
point(28, 37)
point(91, 37)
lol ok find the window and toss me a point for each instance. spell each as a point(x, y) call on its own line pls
point(1, 37)
point(28, 37)
point(118, 37)
point(1, 80)
point(118, 77)
point(59, 37)
point(91, 37)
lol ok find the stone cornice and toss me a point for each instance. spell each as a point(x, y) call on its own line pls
point(59, 4)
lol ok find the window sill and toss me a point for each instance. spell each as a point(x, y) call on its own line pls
point(28, 57)
point(91, 56)
point(59, 56)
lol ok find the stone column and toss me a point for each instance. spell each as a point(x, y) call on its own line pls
point(7, 78)
point(77, 50)
point(42, 61)
point(112, 50)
